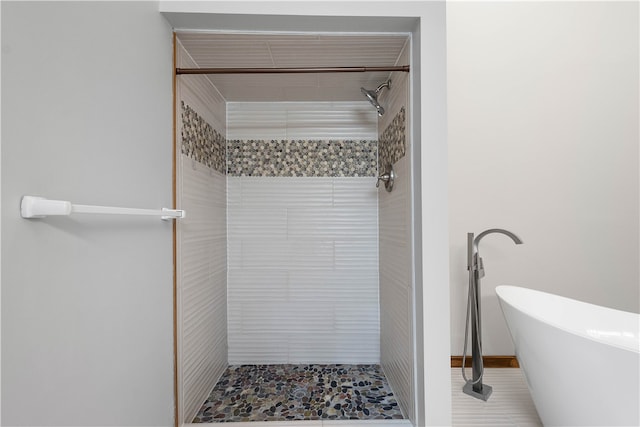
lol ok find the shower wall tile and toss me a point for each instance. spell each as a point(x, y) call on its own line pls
point(312, 287)
point(396, 267)
point(274, 284)
point(263, 193)
point(356, 191)
point(201, 240)
point(399, 95)
point(305, 284)
point(395, 338)
point(350, 253)
point(291, 254)
point(321, 139)
point(200, 141)
point(256, 121)
point(234, 254)
point(270, 348)
point(331, 223)
point(393, 127)
point(301, 158)
point(202, 128)
point(329, 346)
point(396, 287)
point(301, 120)
point(392, 146)
point(202, 281)
point(269, 224)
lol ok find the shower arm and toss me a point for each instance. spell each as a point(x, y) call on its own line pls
point(386, 84)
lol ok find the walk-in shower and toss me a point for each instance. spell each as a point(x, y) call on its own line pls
point(372, 96)
point(293, 276)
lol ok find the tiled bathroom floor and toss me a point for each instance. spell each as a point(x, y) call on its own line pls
point(300, 392)
point(509, 405)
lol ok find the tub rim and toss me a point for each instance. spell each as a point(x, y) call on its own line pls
point(631, 344)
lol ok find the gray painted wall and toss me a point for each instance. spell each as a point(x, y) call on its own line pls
point(86, 301)
point(543, 141)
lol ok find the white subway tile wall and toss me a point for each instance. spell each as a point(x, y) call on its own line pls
point(202, 282)
point(202, 252)
point(303, 251)
point(396, 267)
point(303, 270)
point(301, 120)
point(396, 288)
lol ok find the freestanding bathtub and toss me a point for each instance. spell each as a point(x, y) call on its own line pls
point(581, 361)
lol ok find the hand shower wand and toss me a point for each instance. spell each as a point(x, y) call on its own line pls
point(474, 387)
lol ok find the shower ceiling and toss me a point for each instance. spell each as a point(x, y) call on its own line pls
point(211, 50)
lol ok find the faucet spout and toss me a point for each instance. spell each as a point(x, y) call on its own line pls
point(479, 237)
point(472, 245)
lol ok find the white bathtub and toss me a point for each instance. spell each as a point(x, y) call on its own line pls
point(581, 361)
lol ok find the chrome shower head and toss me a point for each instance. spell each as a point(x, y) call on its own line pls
point(372, 96)
point(373, 99)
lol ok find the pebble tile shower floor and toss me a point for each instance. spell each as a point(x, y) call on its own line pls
point(300, 392)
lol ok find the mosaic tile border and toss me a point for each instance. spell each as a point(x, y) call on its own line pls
point(392, 146)
point(300, 392)
point(290, 158)
point(299, 158)
point(200, 141)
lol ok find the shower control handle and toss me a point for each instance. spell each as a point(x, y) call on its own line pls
point(388, 178)
point(385, 177)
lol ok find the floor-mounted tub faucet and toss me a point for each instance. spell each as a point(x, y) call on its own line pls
point(474, 387)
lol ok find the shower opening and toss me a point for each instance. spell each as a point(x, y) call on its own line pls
point(295, 291)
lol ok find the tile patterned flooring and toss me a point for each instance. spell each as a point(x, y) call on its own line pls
point(509, 405)
point(300, 392)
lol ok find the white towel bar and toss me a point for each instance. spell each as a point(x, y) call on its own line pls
point(39, 207)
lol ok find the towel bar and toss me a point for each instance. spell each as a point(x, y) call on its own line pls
point(39, 207)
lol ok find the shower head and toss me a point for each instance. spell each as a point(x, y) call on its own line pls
point(372, 96)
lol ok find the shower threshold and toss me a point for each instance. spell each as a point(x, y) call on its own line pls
point(309, 395)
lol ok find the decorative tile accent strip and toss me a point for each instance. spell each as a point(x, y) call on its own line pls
point(200, 141)
point(392, 145)
point(300, 392)
point(302, 158)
